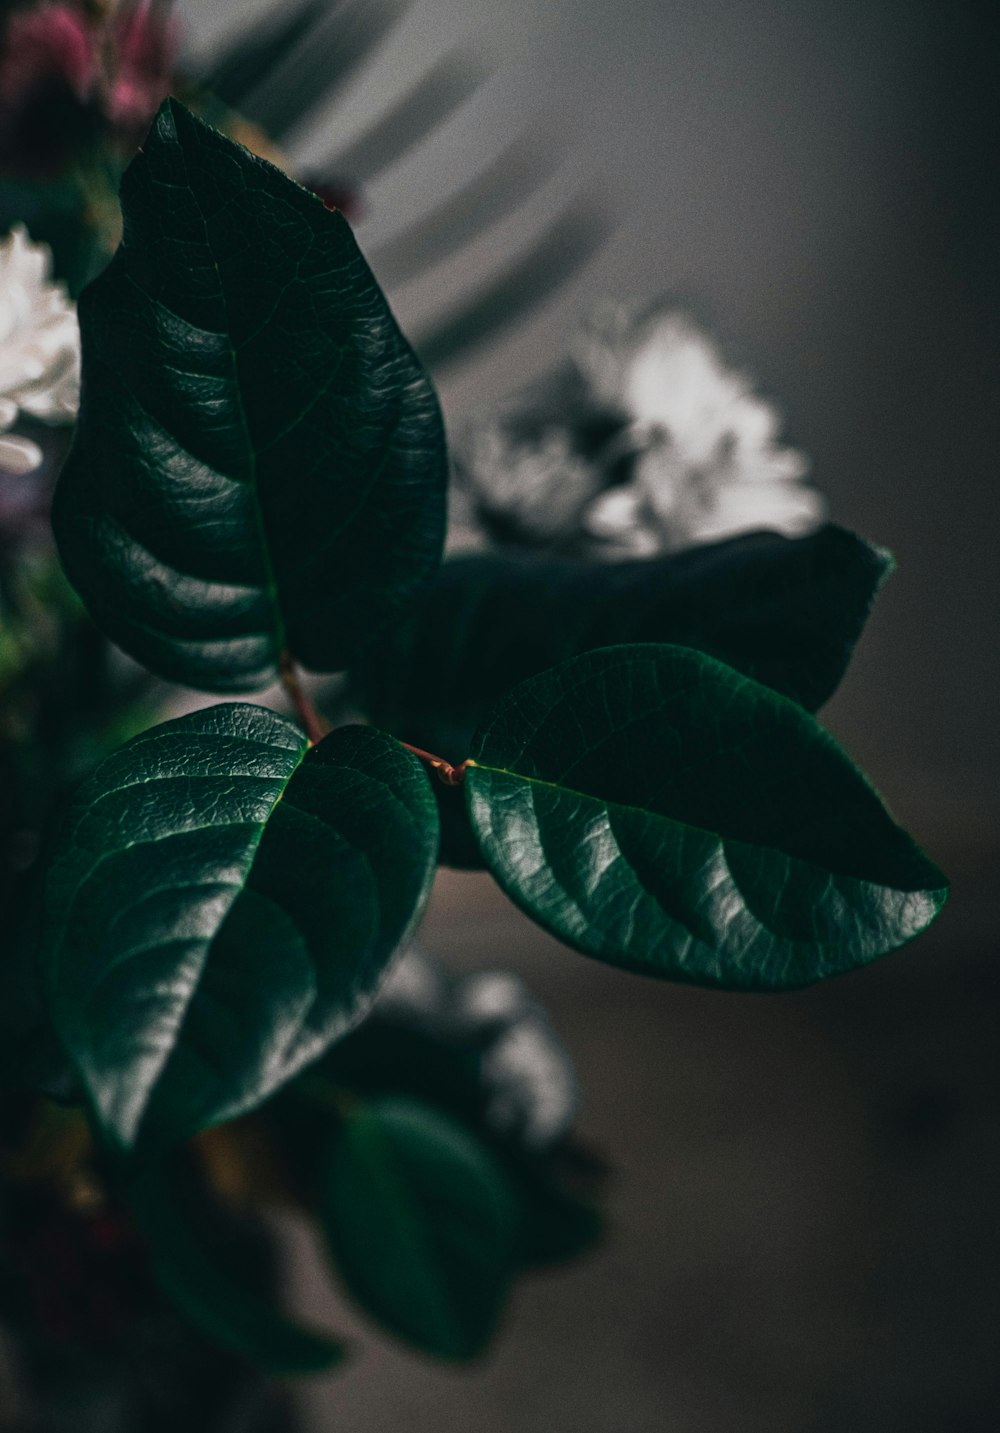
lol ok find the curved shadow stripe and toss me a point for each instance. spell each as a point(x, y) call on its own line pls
point(561, 252)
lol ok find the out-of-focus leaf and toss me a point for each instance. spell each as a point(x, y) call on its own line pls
point(31, 1056)
point(558, 1224)
point(200, 1261)
point(422, 1223)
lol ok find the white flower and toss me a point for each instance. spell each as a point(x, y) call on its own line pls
point(649, 443)
point(39, 348)
point(535, 491)
point(707, 463)
point(526, 1074)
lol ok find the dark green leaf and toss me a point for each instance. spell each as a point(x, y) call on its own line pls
point(383, 1058)
point(557, 1224)
point(459, 847)
point(785, 611)
point(31, 1056)
point(654, 808)
point(259, 462)
point(422, 1223)
point(222, 905)
point(210, 1266)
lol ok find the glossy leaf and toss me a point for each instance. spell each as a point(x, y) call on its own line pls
point(422, 1223)
point(259, 463)
point(785, 611)
point(654, 808)
point(222, 905)
point(210, 1267)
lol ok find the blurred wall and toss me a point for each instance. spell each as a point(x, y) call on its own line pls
point(818, 176)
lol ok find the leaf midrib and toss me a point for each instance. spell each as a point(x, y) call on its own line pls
point(719, 836)
point(279, 634)
point(387, 1165)
point(237, 887)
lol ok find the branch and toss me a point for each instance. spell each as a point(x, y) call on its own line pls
point(309, 718)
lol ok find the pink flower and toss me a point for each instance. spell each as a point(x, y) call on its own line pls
point(54, 41)
point(146, 37)
point(47, 74)
point(69, 82)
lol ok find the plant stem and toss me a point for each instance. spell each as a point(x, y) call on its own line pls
point(446, 773)
point(316, 728)
point(309, 718)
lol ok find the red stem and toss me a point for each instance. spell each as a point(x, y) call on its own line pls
point(448, 774)
point(309, 718)
point(316, 728)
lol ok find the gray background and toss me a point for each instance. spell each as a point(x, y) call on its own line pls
point(803, 1221)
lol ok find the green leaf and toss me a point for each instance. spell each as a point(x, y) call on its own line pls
point(259, 462)
point(210, 1267)
point(31, 1056)
point(558, 1225)
point(383, 1057)
point(422, 1223)
point(222, 905)
point(654, 808)
point(784, 611)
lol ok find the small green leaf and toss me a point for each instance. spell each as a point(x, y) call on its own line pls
point(654, 808)
point(259, 462)
point(211, 1267)
point(422, 1223)
point(558, 1225)
point(784, 611)
point(222, 905)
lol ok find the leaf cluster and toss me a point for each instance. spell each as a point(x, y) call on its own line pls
point(258, 483)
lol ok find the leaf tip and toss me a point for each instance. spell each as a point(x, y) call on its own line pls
point(887, 565)
point(164, 126)
point(173, 123)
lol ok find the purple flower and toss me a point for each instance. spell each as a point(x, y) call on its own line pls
point(145, 36)
point(47, 74)
point(69, 82)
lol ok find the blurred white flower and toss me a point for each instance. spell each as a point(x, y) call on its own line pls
point(529, 1086)
point(648, 443)
point(535, 490)
point(39, 349)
